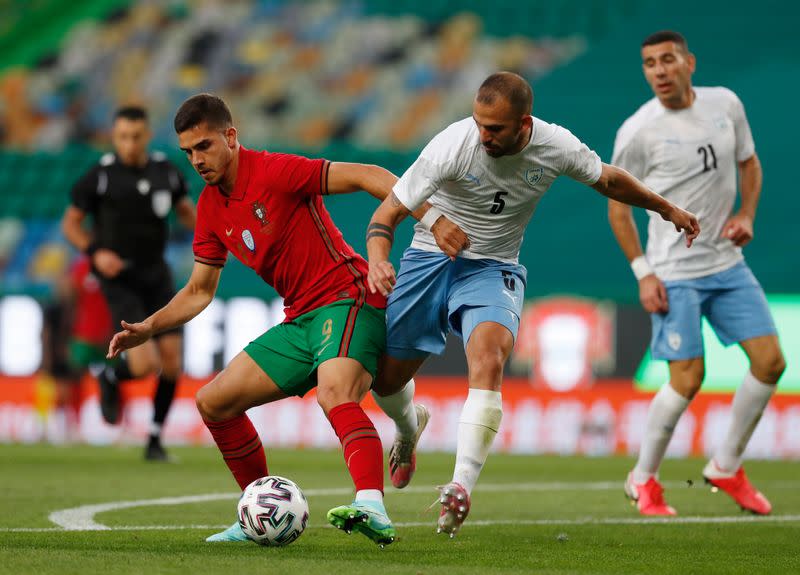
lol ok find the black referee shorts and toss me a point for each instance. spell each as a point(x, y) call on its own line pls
point(137, 292)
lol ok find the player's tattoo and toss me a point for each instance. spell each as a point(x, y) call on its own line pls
point(395, 202)
point(380, 231)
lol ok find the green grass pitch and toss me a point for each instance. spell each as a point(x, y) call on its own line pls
point(529, 514)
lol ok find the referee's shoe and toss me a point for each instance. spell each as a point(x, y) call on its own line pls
point(109, 395)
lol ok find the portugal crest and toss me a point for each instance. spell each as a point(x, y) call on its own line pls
point(533, 176)
point(260, 212)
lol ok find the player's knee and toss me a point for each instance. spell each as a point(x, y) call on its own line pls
point(770, 367)
point(487, 365)
point(170, 369)
point(329, 396)
point(387, 384)
point(210, 407)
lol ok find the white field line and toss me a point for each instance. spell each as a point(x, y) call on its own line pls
point(82, 518)
point(477, 523)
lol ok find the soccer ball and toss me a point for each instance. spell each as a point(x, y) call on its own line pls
point(273, 511)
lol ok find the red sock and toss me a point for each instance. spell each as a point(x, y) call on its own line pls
point(241, 448)
point(363, 452)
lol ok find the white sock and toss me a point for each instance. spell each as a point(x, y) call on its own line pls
point(748, 404)
point(665, 410)
point(155, 429)
point(479, 422)
point(369, 495)
point(400, 408)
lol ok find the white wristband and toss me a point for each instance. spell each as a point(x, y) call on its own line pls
point(430, 217)
point(641, 268)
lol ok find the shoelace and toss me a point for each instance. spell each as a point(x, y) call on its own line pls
point(403, 451)
point(658, 495)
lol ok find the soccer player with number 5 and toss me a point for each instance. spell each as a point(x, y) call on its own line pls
point(484, 174)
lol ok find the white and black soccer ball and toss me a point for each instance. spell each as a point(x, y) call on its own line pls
point(273, 511)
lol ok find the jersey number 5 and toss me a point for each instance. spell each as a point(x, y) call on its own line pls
point(707, 151)
point(498, 204)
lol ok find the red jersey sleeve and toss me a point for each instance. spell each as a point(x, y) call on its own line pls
point(207, 247)
point(299, 175)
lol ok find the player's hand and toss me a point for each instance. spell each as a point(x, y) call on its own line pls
point(653, 294)
point(108, 263)
point(684, 222)
point(739, 229)
point(449, 237)
point(381, 277)
point(133, 334)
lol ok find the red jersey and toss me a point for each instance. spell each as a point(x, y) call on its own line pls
point(92, 322)
point(275, 222)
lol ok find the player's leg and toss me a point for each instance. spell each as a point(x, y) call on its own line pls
point(222, 404)
point(677, 338)
point(416, 326)
point(393, 391)
point(169, 350)
point(346, 341)
point(83, 357)
point(488, 348)
point(767, 364)
point(739, 313)
point(126, 304)
point(642, 485)
point(488, 332)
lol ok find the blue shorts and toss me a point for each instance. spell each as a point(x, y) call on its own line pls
point(731, 300)
point(434, 295)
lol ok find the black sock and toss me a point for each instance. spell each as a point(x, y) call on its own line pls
point(118, 371)
point(165, 393)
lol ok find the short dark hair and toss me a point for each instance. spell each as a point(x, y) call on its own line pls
point(131, 113)
point(666, 36)
point(513, 87)
point(203, 108)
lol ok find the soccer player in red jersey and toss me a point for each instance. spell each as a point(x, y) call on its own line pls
point(267, 209)
point(75, 336)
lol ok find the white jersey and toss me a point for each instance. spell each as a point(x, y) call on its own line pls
point(491, 199)
point(690, 157)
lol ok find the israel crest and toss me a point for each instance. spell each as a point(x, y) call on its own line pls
point(674, 340)
point(247, 238)
point(533, 176)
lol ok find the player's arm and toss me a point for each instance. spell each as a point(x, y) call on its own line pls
point(105, 261)
point(652, 292)
point(739, 228)
point(193, 298)
point(617, 184)
point(186, 213)
point(73, 230)
point(380, 237)
point(344, 178)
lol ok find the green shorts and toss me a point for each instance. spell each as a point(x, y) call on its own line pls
point(82, 354)
point(291, 352)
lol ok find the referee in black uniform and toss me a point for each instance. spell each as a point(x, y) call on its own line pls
point(129, 195)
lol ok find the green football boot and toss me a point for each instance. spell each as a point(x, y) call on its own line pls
point(366, 517)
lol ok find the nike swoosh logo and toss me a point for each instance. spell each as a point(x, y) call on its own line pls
point(229, 232)
point(351, 457)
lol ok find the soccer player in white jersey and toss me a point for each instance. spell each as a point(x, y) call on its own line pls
point(687, 144)
point(485, 175)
